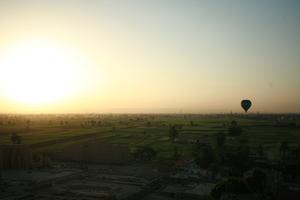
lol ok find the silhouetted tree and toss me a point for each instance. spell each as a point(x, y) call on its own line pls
point(257, 181)
point(16, 139)
point(220, 139)
point(173, 133)
point(28, 122)
point(204, 156)
point(238, 159)
point(148, 124)
point(234, 129)
point(283, 150)
point(93, 122)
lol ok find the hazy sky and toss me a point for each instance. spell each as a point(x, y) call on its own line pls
point(165, 56)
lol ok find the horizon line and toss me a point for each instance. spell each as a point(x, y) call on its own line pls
point(157, 113)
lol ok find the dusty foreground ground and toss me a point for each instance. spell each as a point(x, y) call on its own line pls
point(77, 181)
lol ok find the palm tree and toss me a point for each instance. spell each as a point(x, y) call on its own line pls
point(220, 139)
point(173, 133)
point(283, 150)
point(220, 142)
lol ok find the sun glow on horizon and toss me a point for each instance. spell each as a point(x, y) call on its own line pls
point(149, 56)
point(39, 72)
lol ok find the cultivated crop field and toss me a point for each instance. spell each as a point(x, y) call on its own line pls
point(52, 133)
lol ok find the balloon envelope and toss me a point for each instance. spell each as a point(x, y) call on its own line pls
point(246, 104)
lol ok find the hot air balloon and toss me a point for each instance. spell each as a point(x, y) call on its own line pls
point(246, 104)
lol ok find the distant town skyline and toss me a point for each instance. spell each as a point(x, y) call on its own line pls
point(130, 56)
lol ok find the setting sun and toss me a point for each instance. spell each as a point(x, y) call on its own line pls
point(39, 72)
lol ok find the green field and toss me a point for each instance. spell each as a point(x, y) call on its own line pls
point(48, 133)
